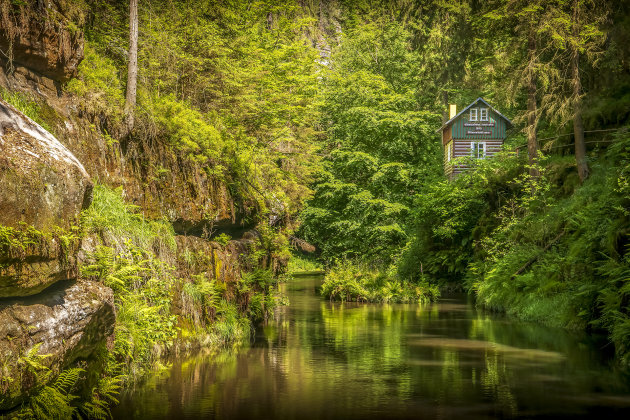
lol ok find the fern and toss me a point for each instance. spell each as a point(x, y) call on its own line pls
point(33, 361)
point(54, 401)
point(104, 395)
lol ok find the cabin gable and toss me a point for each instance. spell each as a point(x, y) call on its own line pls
point(494, 127)
point(478, 131)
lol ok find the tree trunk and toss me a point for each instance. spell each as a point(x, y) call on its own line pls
point(132, 69)
point(532, 122)
point(578, 126)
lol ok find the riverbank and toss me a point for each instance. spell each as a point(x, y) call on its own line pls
point(169, 297)
point(322, 359)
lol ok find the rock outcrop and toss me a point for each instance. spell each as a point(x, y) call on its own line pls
point(224, 263)
point(43, 188)
point(43, 183)
point(162, 181)
point(68, 321)
point(42, 37)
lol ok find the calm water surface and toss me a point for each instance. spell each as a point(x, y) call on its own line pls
point(356, 361)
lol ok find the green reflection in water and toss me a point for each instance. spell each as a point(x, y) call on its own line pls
point(344, 360)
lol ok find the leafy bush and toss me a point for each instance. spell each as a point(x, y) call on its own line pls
point(99, 86)
point(349, 282)
point(450, 216)
point(303, 263)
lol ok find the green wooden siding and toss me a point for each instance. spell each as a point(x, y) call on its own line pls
point(460, 131)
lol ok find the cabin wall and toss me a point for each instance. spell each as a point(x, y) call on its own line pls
point(464, 129)
point(448, 152)
point(461, 147)
point(446, 136)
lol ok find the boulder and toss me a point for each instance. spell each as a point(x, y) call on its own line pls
point(70, 321)
point(43, 188)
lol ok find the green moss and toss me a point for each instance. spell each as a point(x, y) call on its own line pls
point(15, 243)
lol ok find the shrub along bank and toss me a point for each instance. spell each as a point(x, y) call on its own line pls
point(350, 282)
point(544, 248)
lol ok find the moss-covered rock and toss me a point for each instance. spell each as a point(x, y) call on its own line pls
point(43, 188)
point(68, 322)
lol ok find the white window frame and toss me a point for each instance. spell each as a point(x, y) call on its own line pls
point(448, 151)
point(473, 114)
point(474, 147)
point(483, 114)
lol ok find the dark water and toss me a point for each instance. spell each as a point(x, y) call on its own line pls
point(348, 361)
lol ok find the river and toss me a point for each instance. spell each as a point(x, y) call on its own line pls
point(324, 360)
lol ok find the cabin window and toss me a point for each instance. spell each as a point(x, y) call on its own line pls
point(477, 149)
point(448, 151)
point(483, 114)
point(473, 114)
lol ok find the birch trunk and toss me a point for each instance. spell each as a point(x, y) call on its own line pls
point(132, 69)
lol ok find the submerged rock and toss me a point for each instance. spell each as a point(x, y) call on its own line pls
point(70, 322)
point(43, 188)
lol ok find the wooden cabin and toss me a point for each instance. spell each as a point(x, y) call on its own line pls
point(477, 131)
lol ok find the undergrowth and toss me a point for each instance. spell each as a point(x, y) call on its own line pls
point(352, 283)
point(303, 263)
point(540, 248)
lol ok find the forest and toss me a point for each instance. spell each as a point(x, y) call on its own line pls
point(232, 144)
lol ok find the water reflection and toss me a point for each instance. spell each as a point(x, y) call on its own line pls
point(329, 360)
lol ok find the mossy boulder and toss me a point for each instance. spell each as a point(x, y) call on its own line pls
point(69, 322)
point(43, 188)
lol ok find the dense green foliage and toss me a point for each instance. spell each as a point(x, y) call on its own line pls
point(330, 111)
point(303, 264)
point(351, 283)
point(230, 86)
point(134, 258)
point(541, 247)
point(379, 147)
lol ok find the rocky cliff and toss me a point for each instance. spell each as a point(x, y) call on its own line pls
point(43, 189)
point(46, 181)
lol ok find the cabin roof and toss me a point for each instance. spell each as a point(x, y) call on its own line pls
point(449, 122)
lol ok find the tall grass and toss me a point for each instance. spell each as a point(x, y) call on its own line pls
point(118, 222)
point(26, 106)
